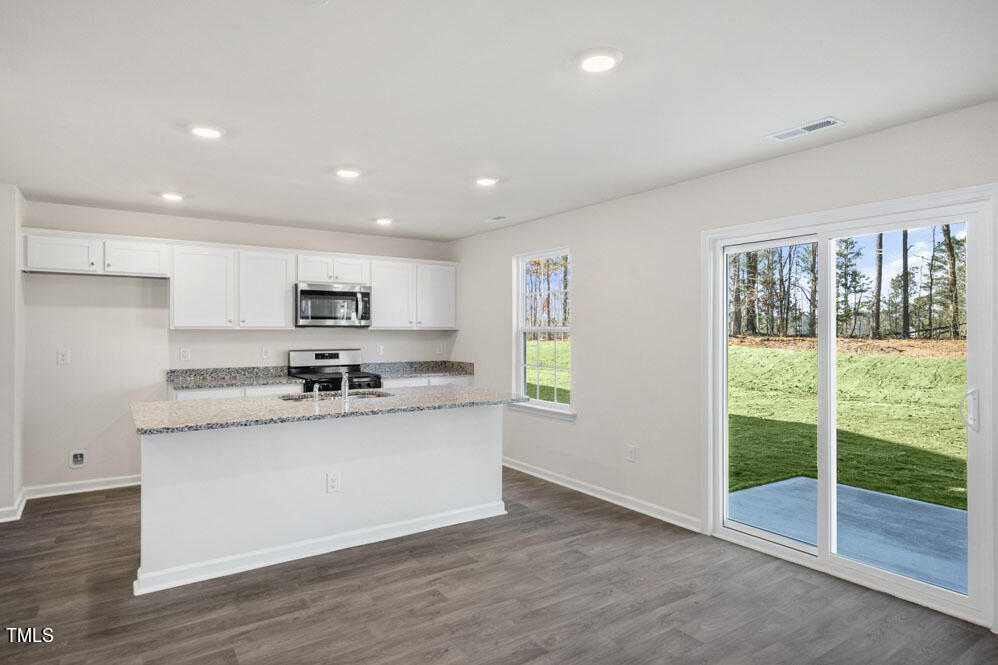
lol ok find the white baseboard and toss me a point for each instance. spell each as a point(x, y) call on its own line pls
point(205, 570)
point(12, 513)
point(39, 491)
point(623, 500)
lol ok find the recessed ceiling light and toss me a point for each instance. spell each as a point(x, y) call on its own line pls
point(172, 196)
point(206, 132)
point(384, 221)
point(348, 174)
point(598, 60)
point(486, 181)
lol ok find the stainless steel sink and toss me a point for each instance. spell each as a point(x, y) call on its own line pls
point(368, 394)
point(333, 394)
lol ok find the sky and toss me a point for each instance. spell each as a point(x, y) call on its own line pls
point(919, 251)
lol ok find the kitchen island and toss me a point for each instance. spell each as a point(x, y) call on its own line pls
point(229, 485)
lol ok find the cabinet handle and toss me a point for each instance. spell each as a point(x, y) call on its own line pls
point(419, 323)
point(229, 320)
point(92, 264)
point(107, 265)
point(242, 321)
point(410, 323)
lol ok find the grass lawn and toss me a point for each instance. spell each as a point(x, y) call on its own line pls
point(544, 353)
point(899, 430)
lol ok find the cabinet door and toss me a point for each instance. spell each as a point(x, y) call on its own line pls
point(63, 254)
point(454, 380)
point(408, 382)
point(349, 270)
point(276, 389)
point(126, 257)
point(436, 296)
point(392, 294)
point(202, 290)
point(266, 289)
point(315, 268)
point(207, 393)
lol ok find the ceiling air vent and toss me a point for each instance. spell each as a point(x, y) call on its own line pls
point(801, 130)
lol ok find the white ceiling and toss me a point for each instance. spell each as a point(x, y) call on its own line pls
point(426, 96)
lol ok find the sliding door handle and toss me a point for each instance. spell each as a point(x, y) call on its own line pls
point(970, 409)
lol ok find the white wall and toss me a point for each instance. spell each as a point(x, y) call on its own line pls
point(637, 295)
point(11, 351)
point(117, 331)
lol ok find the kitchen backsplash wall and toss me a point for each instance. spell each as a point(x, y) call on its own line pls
point(244, 348)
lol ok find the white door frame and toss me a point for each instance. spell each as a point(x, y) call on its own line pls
point(978, 205)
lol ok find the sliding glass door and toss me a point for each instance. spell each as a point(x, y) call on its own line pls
point(772, 382)
point(900, 375)
point(849, 366)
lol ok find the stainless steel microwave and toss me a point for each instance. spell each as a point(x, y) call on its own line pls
point(332, 305)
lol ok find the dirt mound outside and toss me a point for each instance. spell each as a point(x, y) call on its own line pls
point(914, 348)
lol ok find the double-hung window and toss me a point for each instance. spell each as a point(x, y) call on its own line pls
point(543, 330)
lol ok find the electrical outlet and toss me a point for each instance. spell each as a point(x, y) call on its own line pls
point(632, 453)
point(440, 349)
point(379, 349)
point(62, 357)
point(332, 482)
point(185, 355)
point(77, 459)
point(265, 352)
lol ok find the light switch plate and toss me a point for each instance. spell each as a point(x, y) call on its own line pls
point(62, 357)
point(379, 349)
point(265, 352)
point(440, 349)
point(185, 355)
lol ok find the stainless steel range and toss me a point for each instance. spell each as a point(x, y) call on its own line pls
point(325, 368)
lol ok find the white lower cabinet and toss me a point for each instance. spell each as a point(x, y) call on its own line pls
point(417, 381)
point(207, 393)
point(266, 289)
point(237, 391)
point(203, 287)
point(274, 389)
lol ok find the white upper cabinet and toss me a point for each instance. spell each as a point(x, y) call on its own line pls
point(351, 270)
point(266, 289)
point(315, 268)
point(203, 287)
point(393, 294)
point(408, 295)
point(63, 254)
point(332, 268)
point(436, 296)
point(127, 257)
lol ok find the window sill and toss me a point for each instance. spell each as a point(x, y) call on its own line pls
point(547, 412)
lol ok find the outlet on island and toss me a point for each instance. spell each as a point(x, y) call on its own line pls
point(332, 482)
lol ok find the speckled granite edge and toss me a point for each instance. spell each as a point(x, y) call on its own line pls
point(404, 370)
point(228, 377)
point(404, 401)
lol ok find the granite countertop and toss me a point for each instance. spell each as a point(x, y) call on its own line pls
point(201, 414)
point(407, 370)
point(228, 377)
point(233, 377)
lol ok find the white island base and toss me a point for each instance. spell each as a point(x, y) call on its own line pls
point(223, 501)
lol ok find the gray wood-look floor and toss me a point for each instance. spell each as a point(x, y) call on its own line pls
point(564, 578)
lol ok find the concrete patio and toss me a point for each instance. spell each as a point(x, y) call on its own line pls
point(920, 540)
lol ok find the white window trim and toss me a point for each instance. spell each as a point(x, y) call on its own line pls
point(533, 405)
